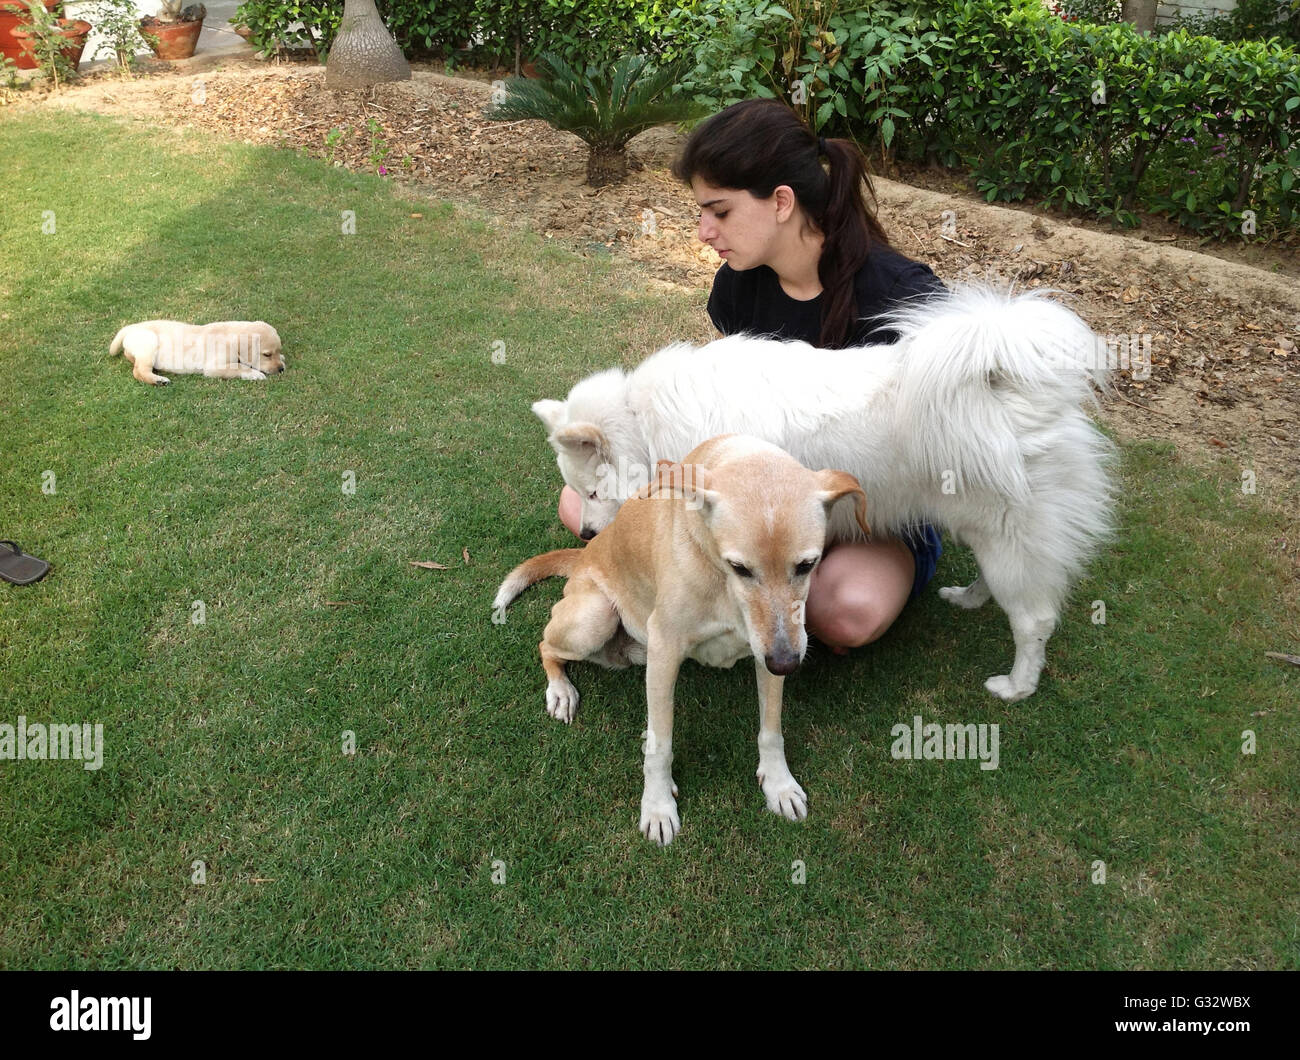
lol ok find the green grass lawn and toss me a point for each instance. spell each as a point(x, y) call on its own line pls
point(223, 741)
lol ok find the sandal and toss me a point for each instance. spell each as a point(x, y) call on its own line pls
point(20, 568)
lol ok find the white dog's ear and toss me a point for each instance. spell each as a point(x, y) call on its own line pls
point(578, 438)
point(550, 413)
point(837, 484)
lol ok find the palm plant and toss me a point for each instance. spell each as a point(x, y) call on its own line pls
point(604, 108)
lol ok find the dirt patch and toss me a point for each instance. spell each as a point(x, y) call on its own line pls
point(1224, 371)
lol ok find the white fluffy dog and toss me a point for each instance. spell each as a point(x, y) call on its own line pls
point(972, 421)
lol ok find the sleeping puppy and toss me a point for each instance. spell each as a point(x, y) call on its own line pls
point(229, 349)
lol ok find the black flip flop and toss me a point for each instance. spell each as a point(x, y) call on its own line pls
point(20, 568)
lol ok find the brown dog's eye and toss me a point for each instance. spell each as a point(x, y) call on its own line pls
point(742, 570)
point(804, 568)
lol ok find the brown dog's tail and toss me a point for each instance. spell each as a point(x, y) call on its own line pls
point(116, 345)
point(547, 565)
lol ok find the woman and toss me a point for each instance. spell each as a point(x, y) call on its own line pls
point(805, 258)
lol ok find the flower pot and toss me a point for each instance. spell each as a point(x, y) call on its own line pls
point(12, 15)
point(176, 40)
point(76, 30)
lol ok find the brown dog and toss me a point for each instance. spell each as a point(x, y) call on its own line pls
point(710, 562)
point(229, 349)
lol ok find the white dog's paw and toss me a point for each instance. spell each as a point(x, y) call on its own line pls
point(160, 380)
point(252, 373)
point(784, 795)
point(967, 596)
point(561, 701)
point(659, 820)
point(1004, 688)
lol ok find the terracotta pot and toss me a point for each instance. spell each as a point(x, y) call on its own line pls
point(13, 15)
point(75, 29)
point(176, 40)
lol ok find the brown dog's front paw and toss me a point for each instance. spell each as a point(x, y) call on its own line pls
point(659, 820)
point(783, 794)
point(561, 701)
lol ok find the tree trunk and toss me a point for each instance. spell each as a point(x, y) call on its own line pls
point(364, 53)
point(606, 165)
point(1142, 13)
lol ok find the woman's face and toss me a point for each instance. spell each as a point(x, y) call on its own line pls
point(741, 228)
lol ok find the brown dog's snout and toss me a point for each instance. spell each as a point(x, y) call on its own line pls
point(782, 663)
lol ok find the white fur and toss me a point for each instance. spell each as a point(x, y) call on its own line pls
point(981, 395)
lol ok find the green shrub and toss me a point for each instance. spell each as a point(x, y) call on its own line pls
point(1085, 116)
point(291, 24)
point(1256, 20)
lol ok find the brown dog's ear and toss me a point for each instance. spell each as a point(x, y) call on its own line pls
point(836, 484)
point(690, 482)
point(661, 479)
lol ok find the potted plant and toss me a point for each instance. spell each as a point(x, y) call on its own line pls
point(55, 44)
point(174, 34)
point(14, 13)
point(117, 23)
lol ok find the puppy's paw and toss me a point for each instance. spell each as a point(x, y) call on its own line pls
point(561, 701)
point(783, 794)
point(967, 596)
point(252, 373)
point(160, 380)
point(1005, 689)
point(659, 820)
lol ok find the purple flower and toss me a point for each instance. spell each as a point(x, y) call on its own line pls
point(383, 171)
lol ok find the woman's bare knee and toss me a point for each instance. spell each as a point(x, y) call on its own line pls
point(850, 619)
point(570, 509)
point(858, 592)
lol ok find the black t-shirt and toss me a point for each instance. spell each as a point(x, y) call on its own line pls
point(753, 301)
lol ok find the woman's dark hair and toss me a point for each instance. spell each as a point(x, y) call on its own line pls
point(759, 144)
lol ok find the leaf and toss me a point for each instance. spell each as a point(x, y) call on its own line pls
point(429, 565)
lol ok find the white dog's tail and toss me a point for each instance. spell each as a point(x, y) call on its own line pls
point(975, 357)
point(116, 345)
